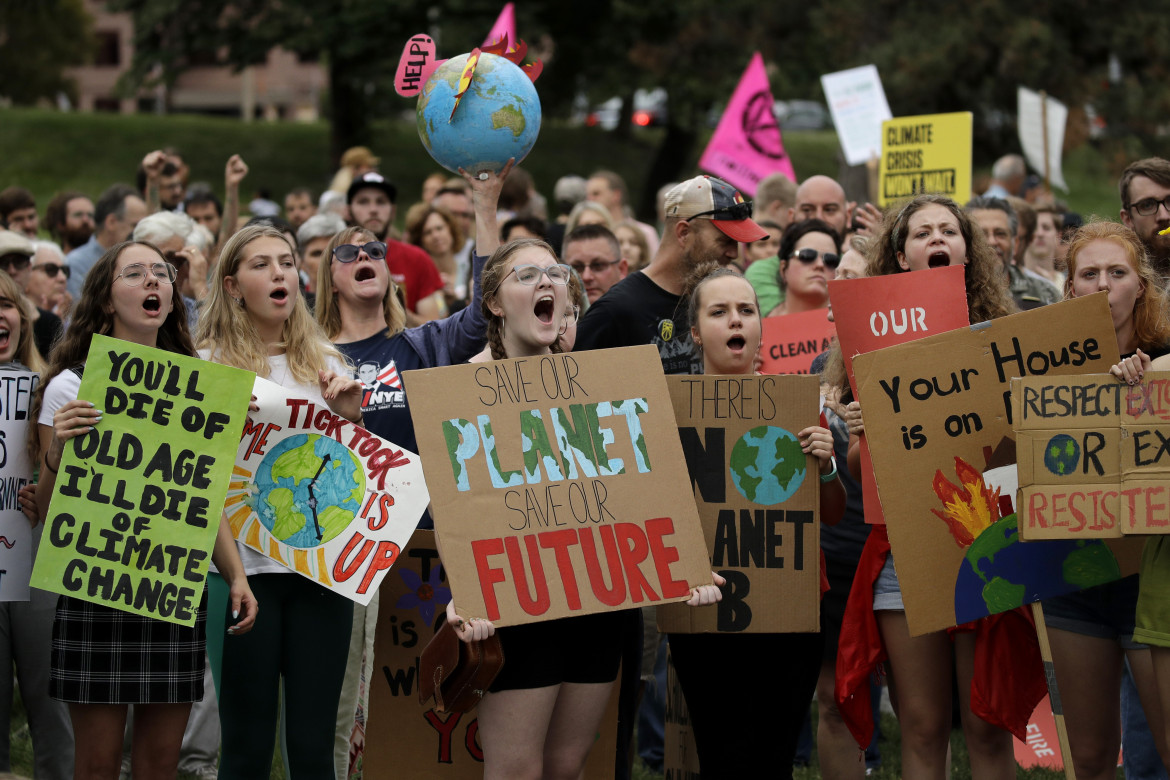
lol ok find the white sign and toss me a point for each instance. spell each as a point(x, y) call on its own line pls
point(16, 537)
point(326, 498)
point(858, 105)
point(1032, 122)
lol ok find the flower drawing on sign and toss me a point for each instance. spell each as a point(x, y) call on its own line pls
point(970, 507)
point(423, 595)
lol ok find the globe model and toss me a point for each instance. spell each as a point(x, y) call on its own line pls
point(767, 465)
point(498, 116)
point(310, 488)
point(1062, 454)
point(1000, 572)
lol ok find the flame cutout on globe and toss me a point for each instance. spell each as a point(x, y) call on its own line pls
point(969, 508)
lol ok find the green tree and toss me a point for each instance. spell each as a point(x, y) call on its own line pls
point(38, 40)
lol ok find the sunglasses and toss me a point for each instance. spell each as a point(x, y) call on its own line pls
point(15, 262)
point(52, 269)
point(809, 256)
point(347, 253)
point(733, 213)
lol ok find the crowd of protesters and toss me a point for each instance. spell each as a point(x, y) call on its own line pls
point(327, 296)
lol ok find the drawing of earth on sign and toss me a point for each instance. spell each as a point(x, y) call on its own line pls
point(1062, 454)
point(309, 489)
point(767, 466)
point(999, 572)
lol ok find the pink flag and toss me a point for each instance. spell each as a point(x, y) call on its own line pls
point(746, 145)
point(505, 25)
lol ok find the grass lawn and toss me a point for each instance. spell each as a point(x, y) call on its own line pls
point(47, 151)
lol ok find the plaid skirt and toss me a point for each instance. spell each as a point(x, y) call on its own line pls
point(106, 656)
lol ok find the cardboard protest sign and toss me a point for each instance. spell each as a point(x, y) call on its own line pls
point(404, 739)
point(758, 497)
point(1094, 456)
point(881, 311)
point(930, 153)
point(746, 146)
point(137, 502)
point(936, 412)
point(558, 484)
point(17, 386)
point(791, 342)
point(858, 105)
point(322, 496)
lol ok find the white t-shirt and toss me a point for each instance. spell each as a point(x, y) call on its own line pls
point(61, 390)
point(278, 372)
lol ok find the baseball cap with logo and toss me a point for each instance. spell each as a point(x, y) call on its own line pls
point(710, 198)
point(15, 244)
point(375, 180)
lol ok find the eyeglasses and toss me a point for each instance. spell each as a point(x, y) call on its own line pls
point(530, 274)
point(135, 273)
point(809, 256)
point(347, 253)
point(733, 213)
point(596, 266)
point(15, 262)
point(1147, 207)
point(52, 269)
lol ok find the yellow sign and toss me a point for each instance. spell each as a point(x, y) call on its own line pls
point(930, 153)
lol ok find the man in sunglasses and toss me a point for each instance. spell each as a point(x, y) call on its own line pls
point(596, 255)
point(370, 199)
point(1145, 208)
point(48, 275)
point(16, 252)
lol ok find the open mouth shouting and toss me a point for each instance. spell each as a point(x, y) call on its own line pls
point(544, 308)
point(939, 259)
point(364, 273)
point(279, 296)
point(153, 304)
point(5, 335)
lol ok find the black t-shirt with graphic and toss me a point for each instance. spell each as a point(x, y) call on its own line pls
point(638, 311)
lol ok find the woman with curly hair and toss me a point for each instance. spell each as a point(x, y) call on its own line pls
point(929, 231)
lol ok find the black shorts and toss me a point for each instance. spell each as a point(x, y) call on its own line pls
point(581, 649)
point(840, 575)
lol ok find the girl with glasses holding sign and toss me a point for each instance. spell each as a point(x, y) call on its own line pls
point(360, 312)
point(255, 319)
point(104, 659)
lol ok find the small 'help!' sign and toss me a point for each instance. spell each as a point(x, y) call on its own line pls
point(137, 502)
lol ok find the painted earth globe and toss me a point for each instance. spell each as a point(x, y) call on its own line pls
point(767, 465)
point(310, 488)
point(498, 116)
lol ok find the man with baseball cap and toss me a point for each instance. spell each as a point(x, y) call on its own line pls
point(371, 200)
point(705, 220)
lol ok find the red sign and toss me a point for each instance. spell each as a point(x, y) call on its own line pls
point(882, 311)
point(792, 341)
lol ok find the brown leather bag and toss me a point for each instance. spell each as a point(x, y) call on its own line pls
point(458, 673)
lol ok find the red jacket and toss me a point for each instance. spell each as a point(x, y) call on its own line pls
point(1009, 674)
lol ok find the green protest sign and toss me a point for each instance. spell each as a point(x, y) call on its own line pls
point(138, 499)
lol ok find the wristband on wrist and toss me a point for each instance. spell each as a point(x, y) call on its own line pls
point(832, 475)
